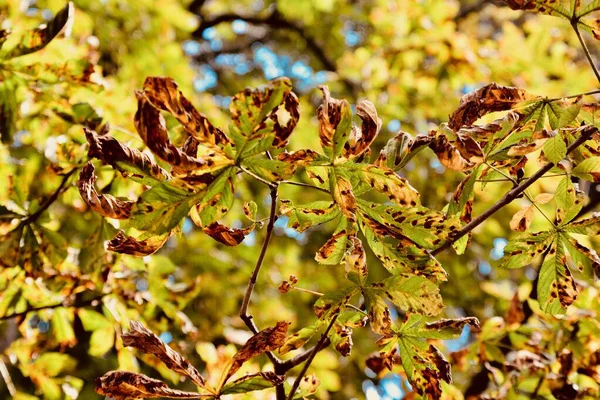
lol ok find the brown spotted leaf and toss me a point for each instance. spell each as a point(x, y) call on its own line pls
point(341, 190)
point(131, 162)
point(411, 294)
point(360, 139)
point(400, 149)
point(379, 313)
point(225, 235)
point(252, 382)
point(268, 339)
point(123, 385)
point(385, 181)
point(449, 155)
point(515, 314)
point(521, 221)
point(341, 339)
point(152, 128)
point(306, 215)
point(335, 123)
point(333, 251)
point(103, 204)
point(556, 287)
point(524, 249)
point(356, 262)
point(490, 98)
point(37, 39)
point(164, 94)
point(263, 118)
point(136, 247)
point(141, 338)
point(300, 157)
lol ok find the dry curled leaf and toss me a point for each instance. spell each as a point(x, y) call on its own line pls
point(225, 235)
point(165, 95)
point(268, 339)
point(449, 155)
point(521, 221)
point(104, 204)
point(360, 139)
point(152, 128)
point(490, 98)
point(108, 150)
point(144, 340)
point(123, 385)
point(124, 244)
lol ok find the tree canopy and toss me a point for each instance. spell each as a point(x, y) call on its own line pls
point(264, 199)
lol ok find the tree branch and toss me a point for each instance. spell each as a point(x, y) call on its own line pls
point(311, 357)
point(585, 49)
point(53, 197)
point(298, 359)
point(586, 134)
point(277, 21)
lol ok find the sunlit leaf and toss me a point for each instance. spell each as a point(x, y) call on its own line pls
point(104, 204)
point(122, 385)
point(252, 382)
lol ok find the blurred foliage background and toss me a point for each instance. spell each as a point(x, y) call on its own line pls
point(413, 59)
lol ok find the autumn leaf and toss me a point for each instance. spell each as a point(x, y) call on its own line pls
point(356, 262)
point(268, 339)
point(522, 219)
point(104, 204)
point(144, 340)
point(335, 123)
point(360, 139)
point(37, 39)
point(124, 244)
point(131, 162)
point(123, 385)
point(489, 98)
point(225, 235)
point(164, 94)
point(252, 382)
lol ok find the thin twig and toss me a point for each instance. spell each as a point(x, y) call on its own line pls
point(304, 185)
point(33, 217)
point(311, 357)
point(585, 49)
point(512, 194)
point(271, 185)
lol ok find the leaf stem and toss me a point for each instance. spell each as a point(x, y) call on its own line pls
point(512, 194)
point(271, 185)
point(304, 185)
point(585, 48)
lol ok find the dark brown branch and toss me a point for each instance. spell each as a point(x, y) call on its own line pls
point(276, 21)
point(512, 194)
point(53, 197)
point(311, 357)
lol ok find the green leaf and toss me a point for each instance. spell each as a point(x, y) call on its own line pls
point(442, 329)
point(250, 383)
point(271, 170)
point(334, 250)
point(216, 200)
point(299, 339)
point(586, 226)
point(306, 215)
point(333, 303)
point(556, 287)
point(568, 200)
point(555, 149)
point(411, 294)
point(522, 250)
point(379, 313)
point(161, 208)
point(38, 38)
point(383, 180)
point(588, 169)
point(62, 326)
point(404, 257)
